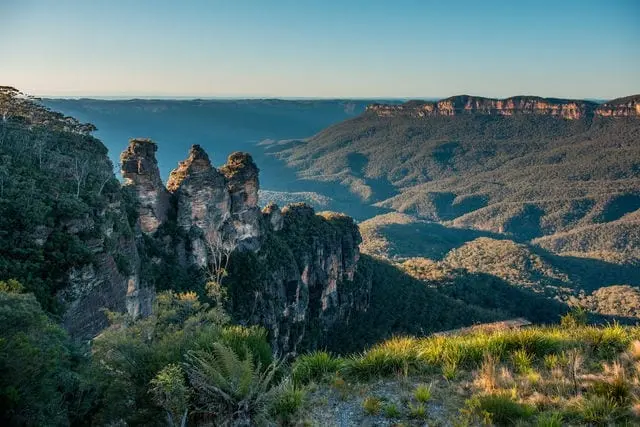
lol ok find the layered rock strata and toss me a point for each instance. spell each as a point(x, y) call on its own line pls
point(518, 105)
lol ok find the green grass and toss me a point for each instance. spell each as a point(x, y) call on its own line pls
point(422, 393)
point(521, 361)
point(550, 419)
point(599, 410)
point(372, 405)
point(503, 409)
point(288, 402)
point(316, 366)
point(418, 411)
point(391, 411)
point(522, 346)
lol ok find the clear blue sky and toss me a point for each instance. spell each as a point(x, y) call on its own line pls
point(305, 48)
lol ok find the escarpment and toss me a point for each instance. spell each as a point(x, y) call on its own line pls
point(517, 105)
point(290, 270)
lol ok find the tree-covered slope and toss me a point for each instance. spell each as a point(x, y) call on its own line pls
point(524, 175)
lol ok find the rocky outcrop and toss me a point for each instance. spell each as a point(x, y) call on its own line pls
point(203, 202)
point(140, 172)
point(291, 270)
point(242, 181)
point(518, 105)
point(621, 107)
point(310, 263)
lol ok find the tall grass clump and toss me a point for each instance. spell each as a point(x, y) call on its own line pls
point(598, 410)
point(392, 357)
point(521, 361)
point(422, 393)
point(502, 408)
point(288, 402)
point(317, 366)
point(372, 405)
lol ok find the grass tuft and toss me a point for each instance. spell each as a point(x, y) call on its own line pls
point(372, 405)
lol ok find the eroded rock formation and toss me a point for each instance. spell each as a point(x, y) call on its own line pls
point(291, 271)
point(140, 172)
point(517, 105)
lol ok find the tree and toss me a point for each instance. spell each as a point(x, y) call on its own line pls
point(36, 376)
point(80, 171)
point(220, 245)
point(171, 393)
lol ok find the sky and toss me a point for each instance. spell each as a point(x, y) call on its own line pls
point(326, 49)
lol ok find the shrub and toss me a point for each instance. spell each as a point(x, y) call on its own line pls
point(372, 405)
point(552, 361)
point(575, 318)
point(250, 340)
point(315, 367)
point(422, 393)
point(171, 393)
point(230, 389)
point(616, 387)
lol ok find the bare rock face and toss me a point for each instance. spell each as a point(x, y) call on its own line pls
point(310, 263)
point(203, 202)
point(518, 105)
point(621, 107)
point(242, 181)
point(273, 215)
point(140, 171)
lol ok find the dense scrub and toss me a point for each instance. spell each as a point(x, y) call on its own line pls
point(58, 195)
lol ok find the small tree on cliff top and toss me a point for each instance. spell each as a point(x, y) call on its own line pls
point(220, 245)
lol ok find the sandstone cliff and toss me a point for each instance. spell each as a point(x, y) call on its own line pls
point(290, 270)
point(517, 105)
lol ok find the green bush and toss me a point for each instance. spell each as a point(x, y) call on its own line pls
point(230, 389)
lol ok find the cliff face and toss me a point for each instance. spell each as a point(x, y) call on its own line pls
point(290, 270)
point(519, 105)
point(310, 261)
point(140, 171)
point(621, 107)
